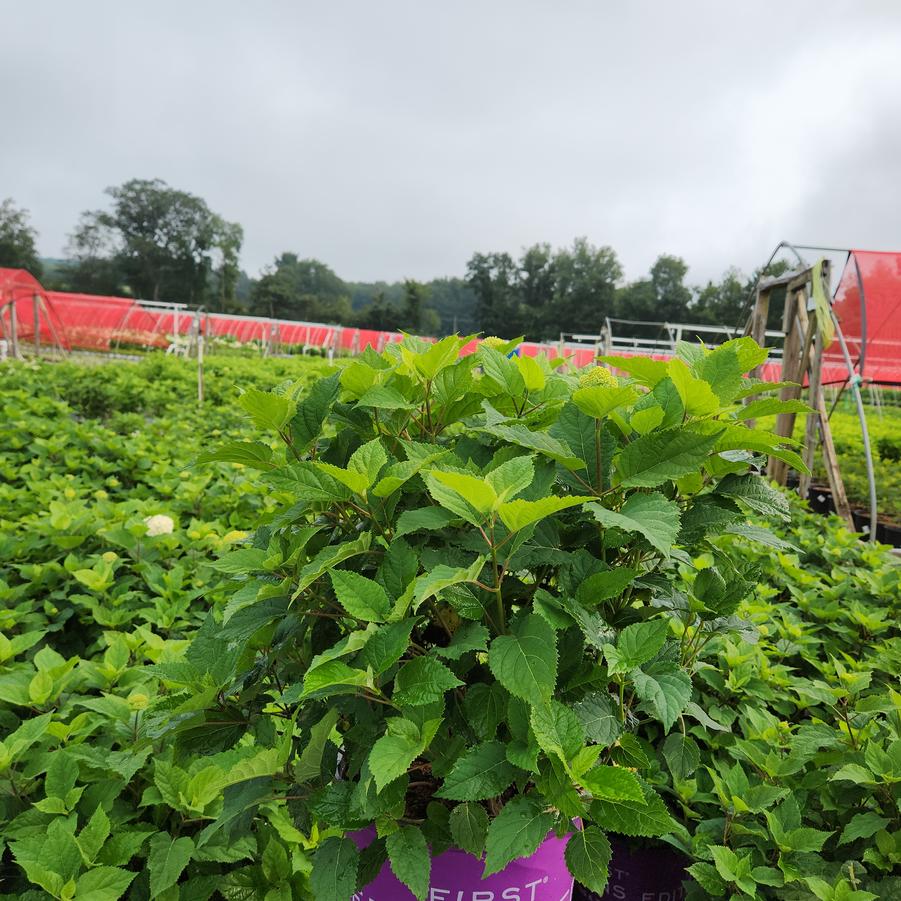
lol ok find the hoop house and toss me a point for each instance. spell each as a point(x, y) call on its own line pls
point(28, 314)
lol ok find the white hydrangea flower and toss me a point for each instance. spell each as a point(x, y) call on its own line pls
point(159, 524)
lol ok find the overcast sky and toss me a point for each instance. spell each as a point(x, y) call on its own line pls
point(394, 139)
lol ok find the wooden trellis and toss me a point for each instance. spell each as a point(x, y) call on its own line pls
point(804, 329)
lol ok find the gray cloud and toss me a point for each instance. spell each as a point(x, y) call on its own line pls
point(394, 139)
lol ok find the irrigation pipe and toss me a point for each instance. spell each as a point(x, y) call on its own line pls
point(854, 383)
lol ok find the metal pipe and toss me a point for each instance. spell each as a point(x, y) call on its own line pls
point(854, 381)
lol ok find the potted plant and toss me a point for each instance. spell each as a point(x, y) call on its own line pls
point(468, 640)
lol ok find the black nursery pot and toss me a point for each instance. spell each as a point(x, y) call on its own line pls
point(641, 873)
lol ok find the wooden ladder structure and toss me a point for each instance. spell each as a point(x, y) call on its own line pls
point(802, 357)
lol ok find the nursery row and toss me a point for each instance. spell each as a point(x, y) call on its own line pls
point(300, 641)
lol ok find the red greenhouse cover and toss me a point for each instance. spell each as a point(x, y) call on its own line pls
point(870, 321)
point(18, 289)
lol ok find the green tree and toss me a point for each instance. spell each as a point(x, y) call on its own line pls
point(301, 289)
point(493, 277)
point(585, 287)
point(18, 247)
point(163, 242)
point(537, 283)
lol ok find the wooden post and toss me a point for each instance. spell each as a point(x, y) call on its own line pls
point(199, 360)
point(36, 309)
point(757, 326)
point(14, 332)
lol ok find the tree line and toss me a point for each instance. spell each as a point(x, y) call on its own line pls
point(155, 242)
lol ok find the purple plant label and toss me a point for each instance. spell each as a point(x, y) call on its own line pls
point(457, 876)
point(643, 874)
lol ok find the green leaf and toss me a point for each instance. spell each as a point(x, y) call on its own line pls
point(254, 454)
point(475, 491)
point(653, 459)
point(333, 674)
point(854, 772)
point(557, 729)
point(755, 492)
point(382, 397)
point(468, 637)
point(387, 645)
point(525, 662)
point(697, 396)
point(706, 876)
point(632, 818)
point(769, 406)
point(401, 744)
point(329, 557)
point(410, 861)
point(540, 442)
point(368, 460)
point(502, 371)
point(334, 875)
point(440, 577)
point(599, 718)
point(520, 513)
point(306, 424)
point(515, 832)
point(639, 643)
point(61, 775)
point(93, 836)
point(421, 681)
point(602, 586)
point(599, 400)
point(481, 773)
point(103, 884)
point(681, 754)
point(362, 598)
point(167, 859)
point(644, 370)
point(511, 477)
point(651, 515)
point(588, 856)
point(423, 519)
point(266, 410)
point(469, 828)
point(612, 783)
point(309, 763)
point(666, 688)
point(862, 825)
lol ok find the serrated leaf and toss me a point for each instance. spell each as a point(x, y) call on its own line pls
point(588, 856)
point(540, 442)
point(362, 598)
point(557, 729)
point(386, 646)
point(599, 718)
point(424, 519)
point(756, 493)
point(681, 754)
point(520, 513)
point(266, 410)
point(329, 557)
point(468, 637)
point(401, 744)
point(469, 828)
point(422, 681)
point(103, 884)
point(639, 643)
point(410, 861)
point(631, 818)
point(515, 832)
point(474, 490)
point(510, 478)
point(612, 783)
point(440, 577)
point(862, 825)
point(598, 401)
point(659, 457)
point(309, 763)
point(667, 690)
point(602, 586)
point(167, 859)
point(651, 515)
point(525, 662)
point(480, 773)
point(248, 453)
point(334, 874)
